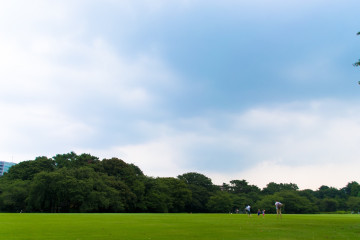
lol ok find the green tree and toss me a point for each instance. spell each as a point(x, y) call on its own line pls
point(166, 195)
point(352, 189)
point(64, 160)
point(225, 187)
point(272, 187)
point(42, 195)
point(242, 186)
point(220, 202)
point(156, 198)
point(179, 193)
point(14, 195)
point(73, 160)
point(329, 192)
point(243, 194)
point(127, 197)
point(28, 169)
point(239, 201)
point(201, 189)
point(353, 203)
point(328, 205)
point(130, 174)
point(356, 64)
point(310, 195)
point(267, 202)
point(294, 202)
point(75, 190)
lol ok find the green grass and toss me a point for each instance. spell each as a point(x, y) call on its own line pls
point(177, 226)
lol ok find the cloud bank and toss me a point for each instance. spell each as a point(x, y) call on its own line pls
point(234, 90)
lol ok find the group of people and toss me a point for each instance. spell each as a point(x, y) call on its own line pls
point(278, 206)
point(259, 212)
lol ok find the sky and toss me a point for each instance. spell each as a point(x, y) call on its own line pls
point(236, 89)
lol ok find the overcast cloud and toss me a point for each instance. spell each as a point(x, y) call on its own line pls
point(257, 90)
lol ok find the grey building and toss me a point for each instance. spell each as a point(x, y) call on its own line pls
point(4, 167)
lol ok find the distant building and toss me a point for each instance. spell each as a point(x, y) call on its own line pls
point(4, 167)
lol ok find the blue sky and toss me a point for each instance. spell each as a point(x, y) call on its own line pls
point(257, 90)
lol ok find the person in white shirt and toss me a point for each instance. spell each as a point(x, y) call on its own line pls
point(278, 206)
point(247, 210)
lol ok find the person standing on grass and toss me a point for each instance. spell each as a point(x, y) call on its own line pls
point(263, 212)
point(259, 212)
point(247, 210)
point(278, 206)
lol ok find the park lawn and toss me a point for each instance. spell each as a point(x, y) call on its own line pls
point(177, 226)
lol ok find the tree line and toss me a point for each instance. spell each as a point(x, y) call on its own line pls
point(71, 183)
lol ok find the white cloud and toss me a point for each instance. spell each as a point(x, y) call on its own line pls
point(326, 133)
point(77, 70)
point(310, 144)
point(53, 65)
point(54, 69)
point(310, 176)
point(47, 50)
point(38, 129)
point(162, 157)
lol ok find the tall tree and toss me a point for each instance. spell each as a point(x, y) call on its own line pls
point(14, 194)
point(294, 202)
point(28, 169)
point(358, 62)
point(201, 188)
point(130, 174)
point(220, 202)
point(64, 160)
point(166, 195)
point(272, 187)
point(352, 189)
point(73, 160)
point(329, 192)
point(328, 205)
point(242, 186)
point(354, 204)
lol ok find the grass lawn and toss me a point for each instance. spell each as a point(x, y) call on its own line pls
point(177, 226)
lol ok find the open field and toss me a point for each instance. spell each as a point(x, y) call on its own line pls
point(177, 226)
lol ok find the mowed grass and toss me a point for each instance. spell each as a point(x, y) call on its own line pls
point(177, 226)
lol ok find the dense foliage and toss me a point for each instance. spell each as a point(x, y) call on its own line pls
point(83, 183)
